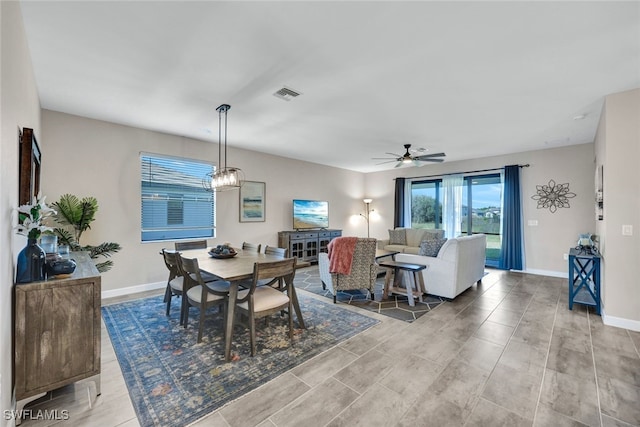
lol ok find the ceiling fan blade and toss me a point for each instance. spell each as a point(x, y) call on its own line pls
point(431, 160)
point(429, 156)
point(417, 163)
point(394, 155)
point(398, 165)
point(390, 161)
point(383, 158)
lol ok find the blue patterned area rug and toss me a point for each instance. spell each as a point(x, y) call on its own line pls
point(173, 381)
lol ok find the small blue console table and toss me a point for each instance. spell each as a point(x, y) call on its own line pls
point(584, 279)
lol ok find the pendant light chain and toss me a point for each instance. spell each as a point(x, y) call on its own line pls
point(225, 137)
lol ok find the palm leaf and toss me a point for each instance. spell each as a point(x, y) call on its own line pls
point(75, 212)
point(103, 249)
point(67, 208)
point(65, 237)
point(104, 266)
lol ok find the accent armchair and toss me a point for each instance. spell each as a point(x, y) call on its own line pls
point(363, 268)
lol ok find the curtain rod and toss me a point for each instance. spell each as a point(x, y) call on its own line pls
point(456, 173)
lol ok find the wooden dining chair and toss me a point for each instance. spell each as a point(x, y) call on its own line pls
point(194, 244)
point(251, 247)
point(261, 301)
point(175, 282)
point(200, 294)
point(274, 250)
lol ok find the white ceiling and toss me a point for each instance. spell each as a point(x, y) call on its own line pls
point(472, 79)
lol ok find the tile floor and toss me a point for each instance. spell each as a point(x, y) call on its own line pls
point(505, 353)
point(395, 305)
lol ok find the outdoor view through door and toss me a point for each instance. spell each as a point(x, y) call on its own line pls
point(481, 209)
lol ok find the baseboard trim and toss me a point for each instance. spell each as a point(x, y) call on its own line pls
point(550, 273)
point(619, 322)
point(133, 289)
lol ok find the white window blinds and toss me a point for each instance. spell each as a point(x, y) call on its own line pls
point(174, 204)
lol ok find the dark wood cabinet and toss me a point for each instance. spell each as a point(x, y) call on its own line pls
point(307, 244)
point(57, 331)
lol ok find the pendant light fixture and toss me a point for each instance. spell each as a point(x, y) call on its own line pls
point(227, 177)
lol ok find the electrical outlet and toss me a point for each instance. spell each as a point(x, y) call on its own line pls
point(532, 222)
point(565, 256)
point(627, 230)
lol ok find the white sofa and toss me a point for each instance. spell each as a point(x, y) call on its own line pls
point(458, 266)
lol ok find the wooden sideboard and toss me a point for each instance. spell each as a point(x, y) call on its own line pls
point(57, 331)
point(307, 244)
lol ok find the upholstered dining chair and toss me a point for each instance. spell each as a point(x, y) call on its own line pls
point(175, 282)
point(199, 293)
point(251, 247)
point(261, 301)
point(194, 244)
point(274, 250)
point(363, 271)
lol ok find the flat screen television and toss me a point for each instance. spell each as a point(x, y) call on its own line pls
point(310, 214)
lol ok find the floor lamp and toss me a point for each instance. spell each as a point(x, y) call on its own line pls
point(367, 204)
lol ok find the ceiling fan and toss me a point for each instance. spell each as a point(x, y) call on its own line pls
point(407, 158)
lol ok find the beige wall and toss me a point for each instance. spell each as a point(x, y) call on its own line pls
point(93, 158)
point(618, 150)
point(555, 233)
point(19, 107)
point(112, 176)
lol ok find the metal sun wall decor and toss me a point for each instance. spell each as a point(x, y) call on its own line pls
point(553, 196)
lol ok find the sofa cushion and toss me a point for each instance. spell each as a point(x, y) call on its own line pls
point(398, 236)
point(431, 247)
point(414, 236)
point(396, 248)
point(411, 250)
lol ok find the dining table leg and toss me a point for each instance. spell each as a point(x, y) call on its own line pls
point(231, 306)
point(296, 306)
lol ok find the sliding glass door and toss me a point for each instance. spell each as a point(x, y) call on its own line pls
point(481, 209)
point(426, 204)
point(481, 201)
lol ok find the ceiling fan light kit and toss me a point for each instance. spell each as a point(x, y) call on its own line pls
point(407, 158)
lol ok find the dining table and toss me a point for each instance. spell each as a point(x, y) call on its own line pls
point(236, 269)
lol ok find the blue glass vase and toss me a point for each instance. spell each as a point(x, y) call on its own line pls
point(31, 262)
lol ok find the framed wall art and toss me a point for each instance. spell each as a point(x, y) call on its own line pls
point(29, 168)
point(599, 193)
point(252, 201)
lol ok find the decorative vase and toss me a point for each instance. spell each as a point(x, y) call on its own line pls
point(31, 263)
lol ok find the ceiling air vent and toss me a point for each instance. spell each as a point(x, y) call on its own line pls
point(286, 94)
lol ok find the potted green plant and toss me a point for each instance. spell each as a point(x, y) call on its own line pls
point(74, 216)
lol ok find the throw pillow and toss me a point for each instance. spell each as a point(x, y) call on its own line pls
point(430, 234)
point(398, 237)
point(431, 247)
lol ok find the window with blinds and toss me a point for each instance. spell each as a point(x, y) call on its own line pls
point(174, 204)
